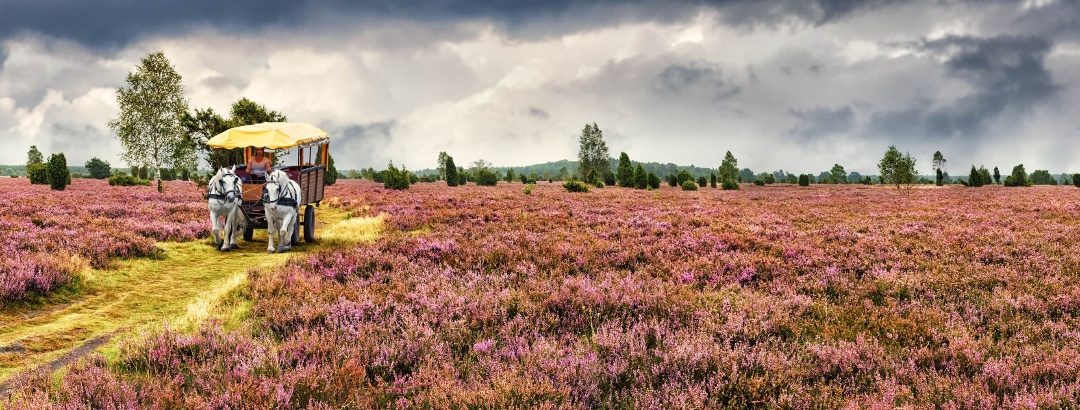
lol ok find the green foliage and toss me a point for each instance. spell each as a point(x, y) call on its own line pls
point(33, 156)
point(593, 154)
point(997, 176)
point(745, 175)
point(974, 179)
point(684, 176)
point(1076, 180)
point(167, 174)
point(98, 169)
point(939, 168)
point(575, 186)
point(759, 182)
point(689, 185)
point(609, 178)
point(443, 156)
point(641, 179)
point(185, 175)
point(485, 177)
point(728, 184)
point(625, 175)
point(462, 176)
point(702, 182)
point(127, 180)
point(654, 181)
point(394, 178)
point(673, 180)
point(331, 176)
point(770, 179)
point(896, 168)
point(729, 168)
point(804, 180)
point(529, 188)
point(712, 180)
point(452, 178)
point(151, 107)
point(510, 175)
point(837, 175)
point(38, 173)
point(1042, 177)
point(1019, 177)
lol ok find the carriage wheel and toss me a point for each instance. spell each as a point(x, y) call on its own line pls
point(296, 232)
point(309, 224)
point(249, 231)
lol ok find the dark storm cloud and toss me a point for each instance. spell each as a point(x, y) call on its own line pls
point(696, 75)
point(361, 144)
point(115, 23)
point(1009, 78)
point(821, 122)
point(539, 113)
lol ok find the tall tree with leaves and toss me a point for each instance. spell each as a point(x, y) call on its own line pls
point(149, 125)
point(593, 154)
point(199, 127)
point(895, 168)
point(729, 169)
point(974, 179)
point(939, 167)
point(997, 176)
point(34, 157)
point(625, 176)
point(442, 164)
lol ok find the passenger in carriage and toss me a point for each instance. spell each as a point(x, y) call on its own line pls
point(258, 166)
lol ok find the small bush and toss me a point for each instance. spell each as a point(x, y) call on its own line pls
point(127, 180)
point(57, 172)
point(38, 173)
point(804, 180)
point(1076, 180)
point(759, 182)
point(530, 181)
point(654, 181)
point(728, 184)
point(394, 178)
point(599, 184)
point(529, 188)
point(575, 186)
point(689, 185)
point(702, 181)
point(485, 177)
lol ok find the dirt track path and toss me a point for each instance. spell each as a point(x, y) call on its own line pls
point(180, 289)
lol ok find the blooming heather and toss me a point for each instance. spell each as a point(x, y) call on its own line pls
point(48, 236)
point(779, 296)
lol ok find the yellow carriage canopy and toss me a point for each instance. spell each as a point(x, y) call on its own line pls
point(271, 135)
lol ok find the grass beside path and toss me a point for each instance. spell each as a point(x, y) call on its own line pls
point(183, 288)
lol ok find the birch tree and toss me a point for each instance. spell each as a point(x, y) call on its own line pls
point(149, 126)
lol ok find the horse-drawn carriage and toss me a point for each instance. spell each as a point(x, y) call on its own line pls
point(308, 172)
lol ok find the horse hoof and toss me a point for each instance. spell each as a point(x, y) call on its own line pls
point(283, 249)
point(234, 246)
point(269, 251)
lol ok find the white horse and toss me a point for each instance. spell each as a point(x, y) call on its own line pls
point(223, 199)
point(281, 201)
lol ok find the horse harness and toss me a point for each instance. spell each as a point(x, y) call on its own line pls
point(222, 195)
point(286, 196)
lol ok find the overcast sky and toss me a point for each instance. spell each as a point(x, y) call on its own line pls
point(789, 84)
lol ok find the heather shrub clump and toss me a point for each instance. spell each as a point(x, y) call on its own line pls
point(575, 186)
point(127, 180)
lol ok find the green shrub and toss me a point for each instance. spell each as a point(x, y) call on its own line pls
point(654, 181)
point(728, 184)
point(1076, 180)
point(804, 180)
point(689, 185)
point(394, 178)
point(759, 182)
point(702, 182)
point(38, 173)
point(98, 169)
point(672, 180)
point(529, 188)
point(485, 177)
point(575, 186)
point(127, 180)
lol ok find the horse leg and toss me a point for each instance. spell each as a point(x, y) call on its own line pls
point(271, 231)
point(285, 243)
point(215, 222)
point(239, 224)
point(228, 230)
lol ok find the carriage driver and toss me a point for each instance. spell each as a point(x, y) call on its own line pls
point(258, 165)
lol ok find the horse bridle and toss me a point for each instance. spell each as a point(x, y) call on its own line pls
point(285, 194)
point(223, 195)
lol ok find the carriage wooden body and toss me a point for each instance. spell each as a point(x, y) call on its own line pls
point(309, 171)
